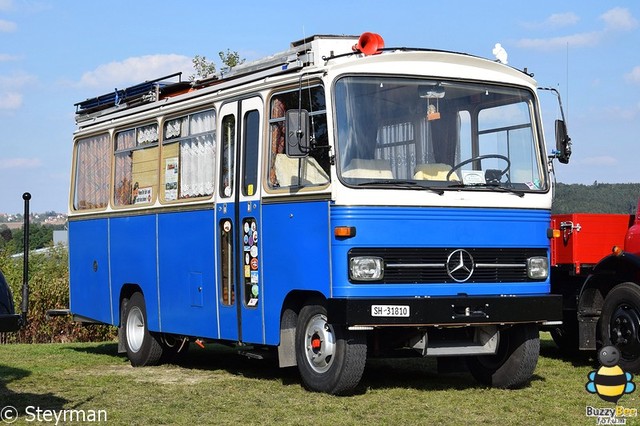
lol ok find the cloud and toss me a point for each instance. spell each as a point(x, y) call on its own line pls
point(615, 20)
point(618, 19)
point(10, 101)
point(562, 19)
point(6, 5)
point(135, 70)
point(7, 26)
point(574, 40)
point(20, 163)
point(634, 75)
point(604, 160)
point(8, 58)
point(556, 20)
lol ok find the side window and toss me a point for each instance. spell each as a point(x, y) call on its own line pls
point(312, 170)
point(92, 173)
point(136, 166)
point(188, 153)
point(252, 139)
point(227, 168)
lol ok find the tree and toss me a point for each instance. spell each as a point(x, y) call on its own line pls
point(204, 68)
point(39, 236)
point(230, 59)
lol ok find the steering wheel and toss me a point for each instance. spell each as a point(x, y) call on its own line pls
point(480, 158)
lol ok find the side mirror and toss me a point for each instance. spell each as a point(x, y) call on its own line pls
point(297, 140)
point(563, 142)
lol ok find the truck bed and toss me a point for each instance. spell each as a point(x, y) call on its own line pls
point(585, 238)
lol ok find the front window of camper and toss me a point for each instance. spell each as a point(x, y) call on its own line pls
point(439, 134)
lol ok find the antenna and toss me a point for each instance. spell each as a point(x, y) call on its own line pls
point(567, 71)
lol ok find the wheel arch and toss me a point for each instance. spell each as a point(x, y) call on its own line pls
point(293, 302)
point(607, 274)
point(126, 291)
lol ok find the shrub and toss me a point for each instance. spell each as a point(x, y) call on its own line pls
point(49, 289)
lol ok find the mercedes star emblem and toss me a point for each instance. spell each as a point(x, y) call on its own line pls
point(460, 265)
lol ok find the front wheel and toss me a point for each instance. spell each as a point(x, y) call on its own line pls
point(142, 347)
point(330, 359)
point(513, 365)
point(620, 324)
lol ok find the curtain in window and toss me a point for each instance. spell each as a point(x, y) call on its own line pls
point(196, 166)
point(124, 171)
point(197, 156)
point(92, 173)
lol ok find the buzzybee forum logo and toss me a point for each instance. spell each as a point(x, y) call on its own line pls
point(610, 383)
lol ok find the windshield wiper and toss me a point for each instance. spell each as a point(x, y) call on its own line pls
point(404, 184)
point(492, 187)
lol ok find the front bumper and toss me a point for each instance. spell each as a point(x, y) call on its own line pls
point(446, 311)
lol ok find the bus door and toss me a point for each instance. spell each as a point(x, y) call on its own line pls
point(240, 303)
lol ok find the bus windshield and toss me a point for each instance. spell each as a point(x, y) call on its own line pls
point(445, 134)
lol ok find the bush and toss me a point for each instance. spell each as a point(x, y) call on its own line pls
point(49, 289)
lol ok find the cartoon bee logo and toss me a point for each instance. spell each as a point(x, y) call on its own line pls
point(610, 382)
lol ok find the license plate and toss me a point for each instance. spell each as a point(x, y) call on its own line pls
point(390, 311)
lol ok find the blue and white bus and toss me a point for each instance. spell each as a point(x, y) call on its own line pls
point(336, 201)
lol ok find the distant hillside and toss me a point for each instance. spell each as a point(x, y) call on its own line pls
point(596, 198)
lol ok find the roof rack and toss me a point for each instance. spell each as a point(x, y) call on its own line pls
point(301, 54)
point(148, 91)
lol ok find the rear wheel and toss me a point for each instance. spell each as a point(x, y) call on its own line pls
point(142, 347)
point(620, 324)
point(513, 365)
point(330, 358)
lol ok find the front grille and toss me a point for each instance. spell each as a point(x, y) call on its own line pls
point(429, 265)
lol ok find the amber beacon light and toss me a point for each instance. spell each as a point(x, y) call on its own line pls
point(369, 44)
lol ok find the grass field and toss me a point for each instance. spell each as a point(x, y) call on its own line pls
point(216, 386)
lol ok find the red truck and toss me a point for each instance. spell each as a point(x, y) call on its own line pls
point(595, 265)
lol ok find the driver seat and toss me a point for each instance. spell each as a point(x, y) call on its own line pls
point(434, 171)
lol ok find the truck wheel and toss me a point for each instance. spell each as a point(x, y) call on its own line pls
point(142, 346)
point(513, 365)
point(620, 324)
point(330, 359)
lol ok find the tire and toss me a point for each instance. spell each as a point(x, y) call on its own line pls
point(142, 347)
point(513, 365)
point(330, 359)
point(620, 324)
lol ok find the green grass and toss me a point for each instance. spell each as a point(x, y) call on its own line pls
point(216, 386)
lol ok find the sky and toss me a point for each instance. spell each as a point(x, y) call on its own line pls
point(55, 53)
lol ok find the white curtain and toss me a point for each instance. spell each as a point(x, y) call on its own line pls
point(197, 154)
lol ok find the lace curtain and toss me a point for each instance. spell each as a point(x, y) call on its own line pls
point(92, 173)
point(197, 153)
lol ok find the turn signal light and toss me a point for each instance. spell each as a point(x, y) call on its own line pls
point(344, 231)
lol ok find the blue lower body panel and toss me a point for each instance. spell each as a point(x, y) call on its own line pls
point(109, 253)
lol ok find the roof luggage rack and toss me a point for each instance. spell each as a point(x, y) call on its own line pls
point(149, 91)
